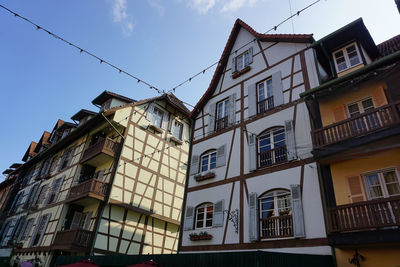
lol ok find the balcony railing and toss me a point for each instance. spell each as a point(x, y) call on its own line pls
point(266, 104)
point(365, 215)
point(105, 146)
point(362, 124)
point(271, 157)
point(91, 188)
point(221, 123)
point(76, 240)
point(276, 227)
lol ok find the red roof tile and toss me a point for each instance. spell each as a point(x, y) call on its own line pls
point(298, 38)
point(389, 46)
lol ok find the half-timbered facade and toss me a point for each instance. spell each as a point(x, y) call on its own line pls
point(253, 183)
point(111, 183)
point(356, 118)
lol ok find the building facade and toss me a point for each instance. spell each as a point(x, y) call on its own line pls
point(112, 182)
point(356, 118)
point(253, 182)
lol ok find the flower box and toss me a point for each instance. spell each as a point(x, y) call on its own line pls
point(238, 73)
point(175, 140)
point(203, 177)
point(155, 129)
point(200, 236)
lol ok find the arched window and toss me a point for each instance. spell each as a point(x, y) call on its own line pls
point(271, 147)
point(204, 216)
point(275, 214)
point(208, 161)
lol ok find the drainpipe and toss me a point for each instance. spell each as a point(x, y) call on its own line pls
point(186, 185)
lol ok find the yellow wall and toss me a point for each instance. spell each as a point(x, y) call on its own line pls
point(353, 167)
point(374, 256)
point(350, 70)
point(327, 105)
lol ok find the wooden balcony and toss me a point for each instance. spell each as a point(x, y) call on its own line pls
point(277, 227)
point(366, 215)
point(363, 124)
point(73, 240)
point(92, 188)
point(103, 150)
point(272, 157)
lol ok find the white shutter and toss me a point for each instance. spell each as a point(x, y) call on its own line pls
point(290, 140)
point(232, 109)
point(189, 218)
point(250, 51)
point(211, 118)
point(165, 120)
point(221, 156)
point(253, 225)
point(277, 88)
point(252, 152)
point(149, 112)
point(76, 220)
point(218, 214)
point(297, 211)
point(43, 226)
point(194, 165)
point(252, 99)
point(233, 64)
point(88, 218)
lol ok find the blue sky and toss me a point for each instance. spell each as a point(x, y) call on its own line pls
point(162, 42)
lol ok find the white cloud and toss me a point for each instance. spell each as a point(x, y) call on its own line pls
point(202, 6)
point(234, 5)
point(120, 15)
point(158, 6)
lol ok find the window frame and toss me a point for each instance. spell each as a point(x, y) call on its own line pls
point(360, 106)
point(270, 98)
point(209, 154)
point(154, 116)
point(224, 114)
point(242, 59)
point(272, 145)
point(382, 183)
point(205, 205)
point(180, 134)
point(346, 57)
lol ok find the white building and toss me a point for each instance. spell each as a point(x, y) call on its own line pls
point(253, 183)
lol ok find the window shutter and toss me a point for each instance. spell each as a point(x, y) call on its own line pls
point(339, 113)
point(76, 220)
point(189, 217)
point(355, 189)
point(233, 64)
point(32, 194)
point(194, 165)
point(297, 211)
point(290, 140)
point(277, 88)
point(250, 51)
point(232, 109)
point(218, 214)
point(27, 229)
point(39, 230)
point(252, 152)
point(252, 99)
point(88, 218)
point(42, 195)
point(379, 97)
point(221, 156)
point(149, 112)
point(164, 123)
point(171, 125)
point(17, 228)
point(253, 222)
point(55, 189)
point(211, 118)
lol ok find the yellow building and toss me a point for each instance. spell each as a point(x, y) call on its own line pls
point(356, 138)
point(111, 183)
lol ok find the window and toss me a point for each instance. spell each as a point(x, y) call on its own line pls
point(271, 147)
point(347, 57)
point(204, 216)
point(275, 214)
point(265, 99)
point(363, 123)
point(40, 229)
point(55, 188)
point(27, 229)
point(359, 107)
point(221, 121)
point(208, 161)
point(157, 117)
point(242, 61)
point(177, 129)
point(382, 184)
point(65, 160)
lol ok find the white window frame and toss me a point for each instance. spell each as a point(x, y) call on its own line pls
point(224, 105)
point(346, 57)
point(157, 112)
point(242, 60)
point(205, 206)
point(382, 183)
point(272, 144)
point(180, 129)
point(267, 92)
point(208, 155)
point(360, 105)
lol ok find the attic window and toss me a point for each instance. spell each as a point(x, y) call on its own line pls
point(241, 63)
point(106, 105)
point(347, 57)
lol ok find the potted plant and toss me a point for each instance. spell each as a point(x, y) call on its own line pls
point(202, 177)
point(200, 236)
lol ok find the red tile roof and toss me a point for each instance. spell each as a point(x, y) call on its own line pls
point(298, 38)
point(389, 46)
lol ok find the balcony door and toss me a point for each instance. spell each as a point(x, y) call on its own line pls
point(364, 123)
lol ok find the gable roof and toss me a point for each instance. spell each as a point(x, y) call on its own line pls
point(44, 141)
point(171, 99)
point(294, 38)
point(81, 114)
point(389, 46)
point(30, 151)
point(105, 95)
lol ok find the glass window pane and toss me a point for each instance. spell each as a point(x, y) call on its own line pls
point(261, 92)
point(373, 179)
point(393, 189)
point(269, 87)
point(246, 59)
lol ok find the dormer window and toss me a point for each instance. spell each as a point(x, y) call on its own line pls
point(106, 105)
point(241, 63)
point(347, 57)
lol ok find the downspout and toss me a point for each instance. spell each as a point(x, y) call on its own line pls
point(186, 185)
point(103, 203)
